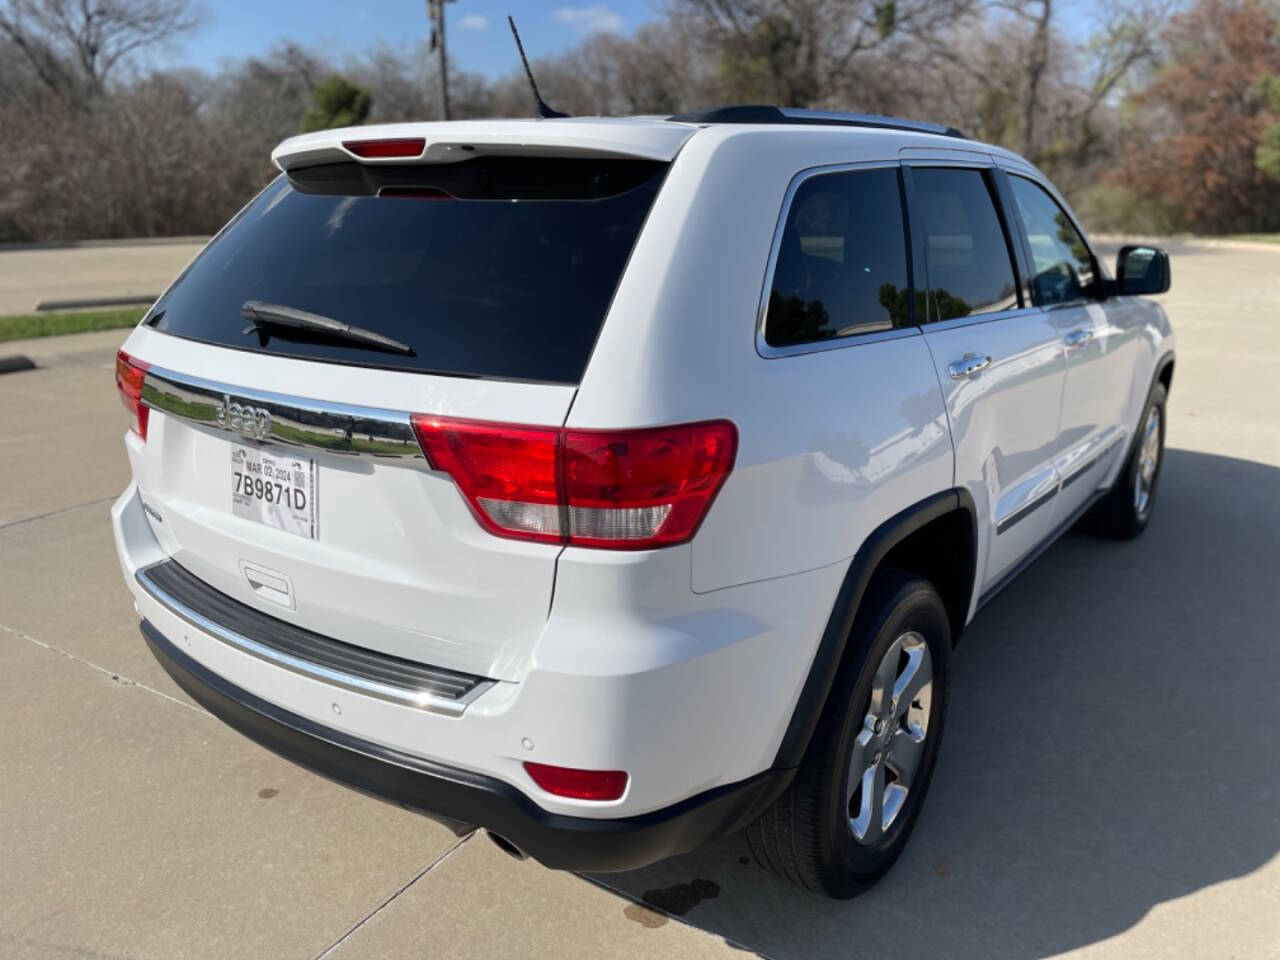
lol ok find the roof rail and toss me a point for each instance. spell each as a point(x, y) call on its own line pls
point(768, 114)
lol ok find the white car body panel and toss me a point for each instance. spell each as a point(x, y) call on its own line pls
point(824, 452)
point(1004, 427)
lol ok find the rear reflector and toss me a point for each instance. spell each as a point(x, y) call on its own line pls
point(402, 148)
point(578, 784)
point(616, 489)
point(130, 374)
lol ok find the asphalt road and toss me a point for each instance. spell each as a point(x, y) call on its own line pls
point(1109, 786)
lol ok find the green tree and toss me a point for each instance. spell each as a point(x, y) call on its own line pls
point(769, 64)
point(1268, 153)
point(337, 102)
point(1199, 124)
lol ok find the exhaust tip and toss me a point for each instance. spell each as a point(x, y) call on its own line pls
point(506, 846)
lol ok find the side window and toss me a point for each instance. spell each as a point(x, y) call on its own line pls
point(970, 270)
point(841, 265)
point(1063, 265)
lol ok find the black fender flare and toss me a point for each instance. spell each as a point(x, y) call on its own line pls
point(1163, 364)
point(829, 657)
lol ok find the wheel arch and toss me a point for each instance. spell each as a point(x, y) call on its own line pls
point(1163, 376)
point(1164, 371)
point(918, 539)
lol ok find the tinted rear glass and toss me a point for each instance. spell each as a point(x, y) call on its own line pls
point(841, 266)
point(970, 270)
point(493, 267)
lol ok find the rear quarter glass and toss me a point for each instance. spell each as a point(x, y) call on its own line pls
point(494, 267)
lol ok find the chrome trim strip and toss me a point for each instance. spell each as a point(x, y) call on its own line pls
point(1087, 465)
point(974, 319)
point(338, 428)
point(763, 347)
point(1026, 510)
point(421, 700)
point(980, 161)
point(1033, 554)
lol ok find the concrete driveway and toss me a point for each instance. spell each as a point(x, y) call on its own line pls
point(30, 275)
point(1110, 784)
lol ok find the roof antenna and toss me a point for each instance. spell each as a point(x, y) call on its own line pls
point(543, 110)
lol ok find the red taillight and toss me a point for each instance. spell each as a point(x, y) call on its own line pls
point(130, 374)
point(578, 784)
point(644, 488)
point(620, 489)
point(402, 147)
point(508, 474)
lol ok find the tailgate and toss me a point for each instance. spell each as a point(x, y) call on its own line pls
point(278, 462)
point(371, 546)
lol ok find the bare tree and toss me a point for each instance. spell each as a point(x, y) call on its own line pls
point(796, 52)
point(74, 45)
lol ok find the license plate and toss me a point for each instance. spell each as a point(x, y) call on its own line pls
point(277, 490)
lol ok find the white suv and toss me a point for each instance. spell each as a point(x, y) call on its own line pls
point(613, 484)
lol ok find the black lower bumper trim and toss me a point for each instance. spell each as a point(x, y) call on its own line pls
point(562, 842)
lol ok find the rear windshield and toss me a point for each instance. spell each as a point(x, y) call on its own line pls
point(497, 267)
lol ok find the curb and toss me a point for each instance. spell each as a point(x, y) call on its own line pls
point(139, 300)
point(16, 362)
point(1183, 240)
point(122, 242)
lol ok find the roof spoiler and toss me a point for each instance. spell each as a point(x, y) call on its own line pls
point(451, 142)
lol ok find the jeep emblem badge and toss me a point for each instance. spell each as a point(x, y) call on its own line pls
point(253, 422)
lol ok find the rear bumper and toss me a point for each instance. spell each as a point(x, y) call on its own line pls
point(556, 840)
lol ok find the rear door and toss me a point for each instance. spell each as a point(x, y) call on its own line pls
point(999, 361)
point(280, 464)
point(1066, 284)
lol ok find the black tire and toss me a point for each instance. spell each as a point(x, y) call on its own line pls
point(1122, 513)
point(808, 835)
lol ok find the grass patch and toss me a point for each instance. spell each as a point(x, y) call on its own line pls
point(25, 326)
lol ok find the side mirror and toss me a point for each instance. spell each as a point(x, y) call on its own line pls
point(1142, 270)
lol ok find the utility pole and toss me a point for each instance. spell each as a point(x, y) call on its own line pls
point(435, 13)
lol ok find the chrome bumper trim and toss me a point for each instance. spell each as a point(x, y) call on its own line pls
point(432, 689)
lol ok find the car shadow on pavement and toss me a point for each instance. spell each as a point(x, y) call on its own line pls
point(1111, 746)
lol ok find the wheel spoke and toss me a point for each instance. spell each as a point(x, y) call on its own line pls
point(1150, 438)
point(868, 823)
point(915, 680)
point(860, 756)
point(906, 749)
point(885, 676)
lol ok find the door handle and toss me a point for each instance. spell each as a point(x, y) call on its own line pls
point(968, 367)
point(1077, 338)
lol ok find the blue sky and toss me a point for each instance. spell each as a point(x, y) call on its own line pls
point(477, 31)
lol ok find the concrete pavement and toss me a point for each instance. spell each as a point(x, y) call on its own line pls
point(99, 270)
point(1109, 785)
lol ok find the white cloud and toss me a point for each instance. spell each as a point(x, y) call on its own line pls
point(474, 21)
point(592, 19)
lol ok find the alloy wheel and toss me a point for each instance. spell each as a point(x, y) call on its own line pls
point(1148, 462)
point(887, 751)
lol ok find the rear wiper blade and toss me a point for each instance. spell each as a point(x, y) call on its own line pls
point(261, 314)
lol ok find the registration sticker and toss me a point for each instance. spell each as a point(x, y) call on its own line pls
point(279, 491)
